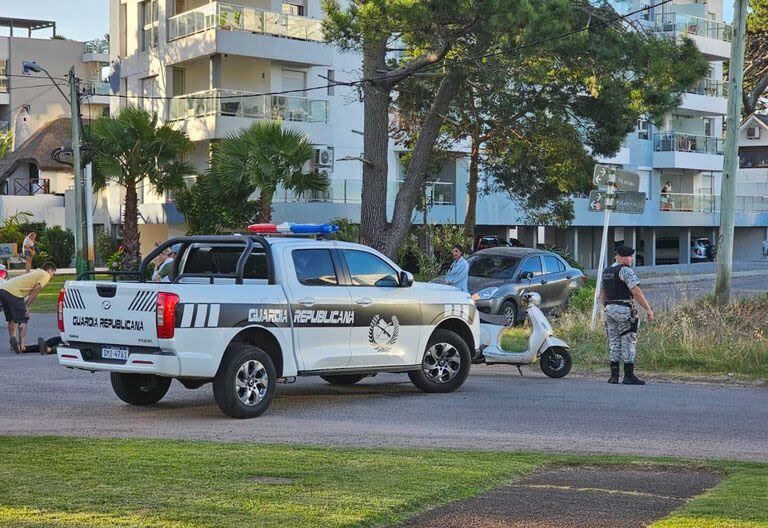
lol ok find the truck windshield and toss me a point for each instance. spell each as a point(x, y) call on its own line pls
point(223, 259)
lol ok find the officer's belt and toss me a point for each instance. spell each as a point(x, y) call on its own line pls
point(628, 304)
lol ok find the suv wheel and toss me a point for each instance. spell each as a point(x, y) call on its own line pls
point(343, 379)
point(445, 364)
point(246, 381)
point(139, 389)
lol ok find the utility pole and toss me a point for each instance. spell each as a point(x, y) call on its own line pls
point(81, 236)
point(731, 162)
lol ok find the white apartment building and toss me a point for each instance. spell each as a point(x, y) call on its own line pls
point(35, 111)
point(203, 65)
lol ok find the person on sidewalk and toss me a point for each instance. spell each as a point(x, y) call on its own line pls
point(458, 275)
point(28, 250)
point(17, 295)
point(620, 289)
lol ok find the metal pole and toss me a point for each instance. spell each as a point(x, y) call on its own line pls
point(730, 164)
point(90, 254)
point(81, 251)
point(600, 266)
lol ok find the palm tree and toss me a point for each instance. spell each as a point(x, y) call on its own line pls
point(265, 156)
point(129, 149)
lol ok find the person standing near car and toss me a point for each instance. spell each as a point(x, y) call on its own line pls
point(620, 289)
point(28, 250)
point(458, 275)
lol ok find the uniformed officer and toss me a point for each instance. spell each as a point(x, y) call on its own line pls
point(620, 290)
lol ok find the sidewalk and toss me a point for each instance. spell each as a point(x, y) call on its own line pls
point(694, 272)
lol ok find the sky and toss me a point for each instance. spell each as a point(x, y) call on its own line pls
point(75, 19)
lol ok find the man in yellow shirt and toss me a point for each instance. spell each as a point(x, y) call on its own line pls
point(17, 295)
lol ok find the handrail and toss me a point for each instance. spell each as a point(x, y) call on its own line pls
point(83, 275)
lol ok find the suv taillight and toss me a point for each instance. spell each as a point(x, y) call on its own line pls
point(60, 310)
point(166, 317)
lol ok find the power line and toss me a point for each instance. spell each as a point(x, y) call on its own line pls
point(12, 110)
point(502, 51)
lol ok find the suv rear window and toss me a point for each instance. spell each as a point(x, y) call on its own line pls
point(223, 259)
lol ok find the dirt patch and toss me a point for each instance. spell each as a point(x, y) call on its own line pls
point(571, 497)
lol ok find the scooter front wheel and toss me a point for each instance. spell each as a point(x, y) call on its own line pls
point(556, 362)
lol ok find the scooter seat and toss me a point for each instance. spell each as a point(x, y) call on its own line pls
point(499, 320)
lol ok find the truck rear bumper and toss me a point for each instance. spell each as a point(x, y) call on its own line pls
point(162, 365)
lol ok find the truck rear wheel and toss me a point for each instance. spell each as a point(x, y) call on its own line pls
point(445, 364)
point(139, 389)
point(246, 381)
point(343, 379)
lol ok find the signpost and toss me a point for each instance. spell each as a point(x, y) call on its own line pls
point(617, 191)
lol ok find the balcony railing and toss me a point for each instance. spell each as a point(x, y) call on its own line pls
point(248, 104)
point(679, 24)
point(710, 87)
point(3, 84)
point(710, 203)
point(30, 187)
point(97, 88)
point(348, 191)
point(238, 18)
point(679, 142)
point(96, 46)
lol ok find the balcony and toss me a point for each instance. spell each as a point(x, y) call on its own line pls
point(97, 92)
point(96, 51)
point(349, 191)
point(710, 203)
point(234, 103)
point(675, 150)
point(27, 187)
point(707, 98)
point(246, 31)
point(711, 37)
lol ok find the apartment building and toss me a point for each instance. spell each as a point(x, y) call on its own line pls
point(204, 66)
point(39, 116)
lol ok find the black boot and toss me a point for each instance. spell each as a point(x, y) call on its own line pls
point(629, 375)
point(614, 372)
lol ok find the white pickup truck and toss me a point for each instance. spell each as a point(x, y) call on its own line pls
point(245, 312)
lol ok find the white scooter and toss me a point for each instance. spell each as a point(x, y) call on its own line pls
point(553, 354)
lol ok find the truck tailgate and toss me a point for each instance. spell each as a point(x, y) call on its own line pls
point(116, 313)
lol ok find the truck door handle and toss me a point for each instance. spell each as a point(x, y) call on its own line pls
point(364, 301)
point(307, 301)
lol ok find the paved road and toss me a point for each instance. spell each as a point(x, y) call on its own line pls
point(496, 409)
point(664, 295)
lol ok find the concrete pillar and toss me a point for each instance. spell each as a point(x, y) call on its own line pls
point(572, 243)
point(527, 235)
point(214, 71)
point(649, 246)
point(684, 252)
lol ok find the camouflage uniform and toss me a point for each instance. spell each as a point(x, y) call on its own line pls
point(622, 333)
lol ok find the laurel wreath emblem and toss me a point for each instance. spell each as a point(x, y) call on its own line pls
point(386, 345)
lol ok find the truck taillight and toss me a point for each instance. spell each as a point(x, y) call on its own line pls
point(166, 318)
point(4, 274)
point(60, 310)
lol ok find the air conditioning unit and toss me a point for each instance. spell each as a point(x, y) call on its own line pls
point(753, 132)
point(327, 173)
point(324, 157)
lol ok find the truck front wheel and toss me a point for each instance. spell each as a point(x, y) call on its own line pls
point(445, 364)
point(139, 389)
point(246, 381)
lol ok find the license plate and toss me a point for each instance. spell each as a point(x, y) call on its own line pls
point(114, 352)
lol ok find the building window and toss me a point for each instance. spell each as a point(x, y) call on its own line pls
point(3, 73)
point(148, 92)
point(290, 8)
point(178, 82)
point(149, 24)
point(643, 128)
point(331, 79)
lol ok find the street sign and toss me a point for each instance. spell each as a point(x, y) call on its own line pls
point(628, 202)
point(624, 180)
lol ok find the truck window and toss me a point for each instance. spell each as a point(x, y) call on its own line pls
point(314, 267)
point(367, 269)
point(223, 259)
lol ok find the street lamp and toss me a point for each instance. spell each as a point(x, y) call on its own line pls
point(83, 250)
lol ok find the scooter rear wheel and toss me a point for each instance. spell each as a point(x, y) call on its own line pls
point(556, 362)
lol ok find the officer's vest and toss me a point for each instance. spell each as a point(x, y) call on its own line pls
point(615, 288)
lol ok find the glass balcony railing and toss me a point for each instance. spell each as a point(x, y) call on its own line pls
point(236, 103)
point(3, 84)
point(98, 88)
point(711, 88)
point(679, 142)
point(96, 46)
point(239, 18)
point(680, 24)
point(348, 191)
point(710, 203)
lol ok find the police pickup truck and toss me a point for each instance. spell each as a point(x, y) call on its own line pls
point(245, 312)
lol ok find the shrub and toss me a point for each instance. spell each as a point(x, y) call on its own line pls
point(104, 246)
point(583, 300)
point(348, 231)
point(115, 260)
point(59, 244)
point(567, 256)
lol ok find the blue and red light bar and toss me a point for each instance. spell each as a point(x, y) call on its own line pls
point(289, 228)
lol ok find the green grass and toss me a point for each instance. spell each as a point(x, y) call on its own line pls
point(47, 299)
point(98, 483)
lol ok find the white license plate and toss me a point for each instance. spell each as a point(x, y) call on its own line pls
point(114, 352)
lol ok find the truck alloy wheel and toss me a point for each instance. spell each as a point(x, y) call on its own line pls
point(246, 381)
point(251, 382)
point(441, 362)
point(445, 364)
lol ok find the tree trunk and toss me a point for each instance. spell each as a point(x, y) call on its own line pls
point(373, 208)
point(474, 173)
point(131, 247)
point(408, 196)
point(265, 205)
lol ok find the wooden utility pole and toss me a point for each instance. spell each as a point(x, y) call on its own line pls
point(731, 163)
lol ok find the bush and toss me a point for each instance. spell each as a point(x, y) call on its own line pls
point(348, 231)
point(104, 246)
point(583, 300)
point(567, 256)
point(115, 260)
point(59, 244)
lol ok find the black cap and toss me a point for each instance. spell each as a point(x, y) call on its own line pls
point(625, 251)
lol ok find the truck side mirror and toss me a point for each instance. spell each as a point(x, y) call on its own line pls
point(406, 279)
